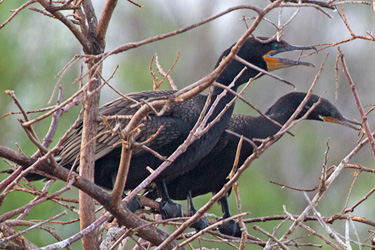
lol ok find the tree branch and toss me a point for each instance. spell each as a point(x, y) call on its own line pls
point(365, 123)
point(105, 18)
point(69, 24)
point(125, 217)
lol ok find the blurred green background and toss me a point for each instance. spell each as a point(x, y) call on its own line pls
point(34, 48)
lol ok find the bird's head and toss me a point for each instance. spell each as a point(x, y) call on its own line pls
point(272, 48)
point(327, 112)
point(323, 111)
point(262, 54)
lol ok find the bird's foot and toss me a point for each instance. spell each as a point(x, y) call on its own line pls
point(231, 228)
point(134, 204)
point(169, 209)
point(200, 224)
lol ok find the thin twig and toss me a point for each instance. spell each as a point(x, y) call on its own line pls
point(327, 228)
point(365, 123)
point(47, 140)
point(166, 75)
point(319, 236)
point(68, 23)
point(72, 98)
point(279, 243)
point(32, 227)
point(10, 214)
point(329, 181)
point(351, 209)
point(18, 10)
point(221, 222)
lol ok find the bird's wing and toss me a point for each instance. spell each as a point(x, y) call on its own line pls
point(107, 141)
point(127, 105)
point(219, 147)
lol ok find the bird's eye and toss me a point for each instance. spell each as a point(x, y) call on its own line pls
point(275, 46)
point(333, 114)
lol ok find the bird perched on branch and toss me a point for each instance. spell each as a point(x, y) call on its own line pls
point(176, 123)
point(212, 172)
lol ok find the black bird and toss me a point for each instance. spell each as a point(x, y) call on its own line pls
point(211, 174)
point(177, 123)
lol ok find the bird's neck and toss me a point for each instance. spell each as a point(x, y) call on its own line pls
point(218, 90)
point(256, 127)
point(280, 118)
point(235, 71)
point(218, 105)
point(221, 105)
point(282, 115)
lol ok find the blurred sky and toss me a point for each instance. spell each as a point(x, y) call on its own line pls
point(37, 48)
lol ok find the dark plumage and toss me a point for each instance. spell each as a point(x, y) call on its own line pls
point(177, 122)
point(210, 175)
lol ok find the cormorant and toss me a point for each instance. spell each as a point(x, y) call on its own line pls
point(177, 123)
point(212, 172)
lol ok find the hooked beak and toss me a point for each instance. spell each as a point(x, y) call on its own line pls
point(343, 121)
point(274, 63)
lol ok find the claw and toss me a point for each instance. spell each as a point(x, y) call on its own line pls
point(134, 204)
point(200, 224)
point(169, 209)
point(231, 228)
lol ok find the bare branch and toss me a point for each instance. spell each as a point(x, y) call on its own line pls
point(23, 6)
point(271, 236)
point(69, 24)
point(329, 181)
point(365, 123)
point(105, 18)
point(320, 236)
point(32, 227)
point(8, 215)
point(328, 229)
